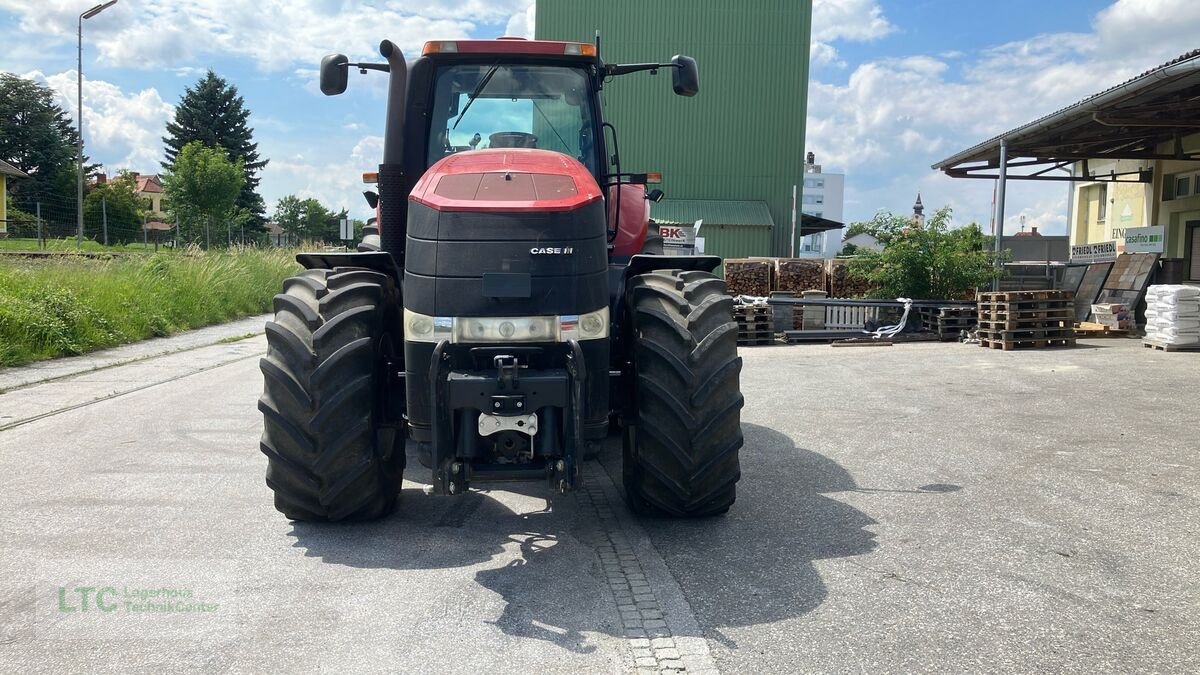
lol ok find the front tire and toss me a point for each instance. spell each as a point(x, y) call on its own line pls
point(329, 455)
point(681, 452)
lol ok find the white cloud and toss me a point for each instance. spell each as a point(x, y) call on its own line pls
point(521, 24)
point(855, 20)
point(275, 34)
point(891, 118)
point(850, 20)
point(336, 183)
point(116, 124)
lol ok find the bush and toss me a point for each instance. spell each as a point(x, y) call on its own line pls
point(925, 261)
point(73, 305)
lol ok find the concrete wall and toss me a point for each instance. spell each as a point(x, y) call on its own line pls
point(1138, 205)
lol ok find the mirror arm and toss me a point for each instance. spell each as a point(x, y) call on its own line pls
point(381, 67)
point(613, 69)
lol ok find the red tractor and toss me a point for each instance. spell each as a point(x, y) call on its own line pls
point(517, 307)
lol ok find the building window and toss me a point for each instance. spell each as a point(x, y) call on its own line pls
point(1183, 185)
point(1194, 251)
point(814, 182)
point(814, 199)
point(1102, 209)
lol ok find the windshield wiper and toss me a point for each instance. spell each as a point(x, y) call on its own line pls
point(476, 92)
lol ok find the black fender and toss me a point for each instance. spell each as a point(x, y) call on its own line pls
point(640, 264)
point(377, 261)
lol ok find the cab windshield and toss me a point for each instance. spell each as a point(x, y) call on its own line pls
point(516, 106)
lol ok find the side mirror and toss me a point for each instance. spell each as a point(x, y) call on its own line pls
point(334, 73)
point(685, 78)
point(655, 195)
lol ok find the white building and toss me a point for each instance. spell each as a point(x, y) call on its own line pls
point(821, 196)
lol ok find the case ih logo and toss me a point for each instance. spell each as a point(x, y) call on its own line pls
point(551, 250)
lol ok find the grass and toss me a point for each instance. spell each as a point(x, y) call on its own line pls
point(69, 245)
point(72, 305)
point(236, 338)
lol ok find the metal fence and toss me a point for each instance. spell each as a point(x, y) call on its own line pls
point(43, 219)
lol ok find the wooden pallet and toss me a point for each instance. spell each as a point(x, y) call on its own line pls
point(752, 311)
point(755, 342)
point(948, 323)
point(1088, 329)
point(1159, 346)
point(1035, 343)
point(754, 325)
point(1028, 333)
point(1025, 307)
point(1026, 296)
point(1018, 324)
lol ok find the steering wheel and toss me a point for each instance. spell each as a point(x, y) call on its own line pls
point(512, 139)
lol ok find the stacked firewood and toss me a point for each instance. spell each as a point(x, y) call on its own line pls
point(749, 277)
point(842, 284)
point(797, 275)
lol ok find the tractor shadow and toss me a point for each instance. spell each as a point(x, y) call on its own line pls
point(754, 565)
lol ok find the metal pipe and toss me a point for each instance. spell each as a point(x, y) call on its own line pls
point(79, 139)
point(1002, 182)
point(817, 302)
point(393, 138)
point(79, 115)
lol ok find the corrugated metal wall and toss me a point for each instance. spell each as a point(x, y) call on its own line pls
point(735, 241)
point(742, 137)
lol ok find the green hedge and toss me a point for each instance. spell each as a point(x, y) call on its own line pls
point(72, 305)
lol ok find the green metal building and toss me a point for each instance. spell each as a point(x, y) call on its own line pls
point(740, 141)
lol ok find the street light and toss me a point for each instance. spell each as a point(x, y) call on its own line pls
point(79, 115)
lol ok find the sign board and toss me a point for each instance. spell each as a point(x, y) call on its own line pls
point(1102, 251)
point(679, 239)
point(347, 229)
point(1145, 239)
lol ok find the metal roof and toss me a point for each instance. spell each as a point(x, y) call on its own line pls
point(10, 170)
point(712, 211)
point(1127, 121)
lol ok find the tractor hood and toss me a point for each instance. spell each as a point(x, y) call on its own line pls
point(510, 179)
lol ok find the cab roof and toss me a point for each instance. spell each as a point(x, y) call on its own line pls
point(510, 46)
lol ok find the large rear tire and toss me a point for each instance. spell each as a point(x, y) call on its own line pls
point(681, 452)
point(330, 457)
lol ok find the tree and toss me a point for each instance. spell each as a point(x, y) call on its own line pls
point(202, 189)
point(118, 203)
point(927, 260)
point(304, 219)
point(37, 137)
point(213, 113)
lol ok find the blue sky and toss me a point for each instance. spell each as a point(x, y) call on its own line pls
point(895, 85)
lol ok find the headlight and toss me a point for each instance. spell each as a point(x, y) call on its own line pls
point(423, 328)
point(590, 326)
point(506, 329)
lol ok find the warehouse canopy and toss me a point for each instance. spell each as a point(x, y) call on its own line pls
point(712, 211)
point(729, 212)
point(1128, 121)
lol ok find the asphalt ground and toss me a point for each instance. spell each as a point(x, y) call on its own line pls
point(918, 508)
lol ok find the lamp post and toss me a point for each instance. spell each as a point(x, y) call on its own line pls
point(79, 118)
